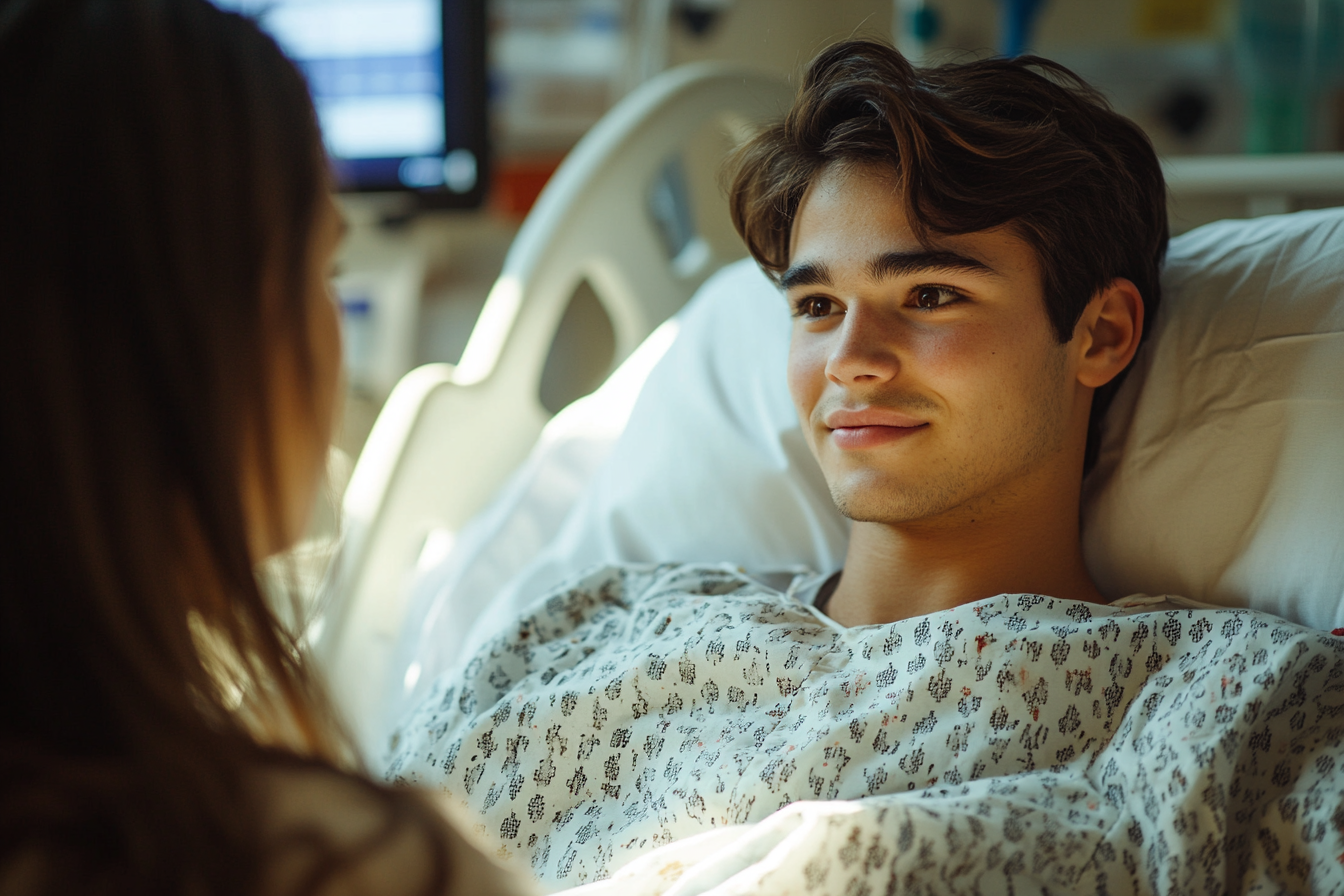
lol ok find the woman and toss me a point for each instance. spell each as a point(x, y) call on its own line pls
point(169, 360)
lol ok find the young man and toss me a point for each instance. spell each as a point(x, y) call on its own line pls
point(970, 253)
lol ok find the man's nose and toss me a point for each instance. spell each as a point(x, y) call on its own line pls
point(866, 350)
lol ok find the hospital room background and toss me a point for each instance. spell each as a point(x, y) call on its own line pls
point(532, 191)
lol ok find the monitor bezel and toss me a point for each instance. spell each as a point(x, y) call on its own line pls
point(465, 32)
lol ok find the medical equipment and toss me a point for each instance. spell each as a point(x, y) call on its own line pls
point(450, 436)
point(399, 87)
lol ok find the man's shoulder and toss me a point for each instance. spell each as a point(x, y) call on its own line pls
point(1156, 603)
point(626, 585)
point(614, 615)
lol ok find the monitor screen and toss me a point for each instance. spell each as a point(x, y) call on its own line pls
point(399, 87)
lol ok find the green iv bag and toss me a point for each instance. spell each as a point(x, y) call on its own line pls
point(1288, 53)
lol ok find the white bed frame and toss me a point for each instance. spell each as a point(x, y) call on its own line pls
point(449, 435)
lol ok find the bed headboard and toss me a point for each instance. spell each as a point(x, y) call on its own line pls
point(1204, 189)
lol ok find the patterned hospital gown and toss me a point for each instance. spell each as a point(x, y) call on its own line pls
point(1018, 741)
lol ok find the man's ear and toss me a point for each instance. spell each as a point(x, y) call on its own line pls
point(1107, 335)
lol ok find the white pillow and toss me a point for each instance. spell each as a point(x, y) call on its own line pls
point(1221, 476)
point(711, 467)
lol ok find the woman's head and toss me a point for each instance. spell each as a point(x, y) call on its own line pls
point(279, 488)
point(167, 364)
point(168, 368)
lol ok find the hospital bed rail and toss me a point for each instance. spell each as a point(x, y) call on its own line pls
point(449, 435)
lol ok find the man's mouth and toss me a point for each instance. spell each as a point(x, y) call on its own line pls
point(871, 427)
point(852, 438)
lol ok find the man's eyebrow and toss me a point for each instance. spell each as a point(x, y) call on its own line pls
point(809, 273)
point(903, 264)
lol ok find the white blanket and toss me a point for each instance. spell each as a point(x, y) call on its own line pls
point(1014, 744)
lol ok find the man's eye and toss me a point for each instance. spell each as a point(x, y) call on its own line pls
point(814, 307)
point(929, 297)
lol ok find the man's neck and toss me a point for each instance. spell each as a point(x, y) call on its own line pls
point(1032, 545)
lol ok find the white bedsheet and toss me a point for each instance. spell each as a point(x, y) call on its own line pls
point(1018, 742)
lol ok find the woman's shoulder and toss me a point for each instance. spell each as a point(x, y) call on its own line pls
point(304, 827)
point(353, 836)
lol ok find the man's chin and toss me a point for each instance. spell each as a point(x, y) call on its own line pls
point(890, 504)
point(888, 509)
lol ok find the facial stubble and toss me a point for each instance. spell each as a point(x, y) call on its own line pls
point(970, 484)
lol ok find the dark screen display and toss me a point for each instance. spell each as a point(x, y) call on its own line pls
point(399, 87)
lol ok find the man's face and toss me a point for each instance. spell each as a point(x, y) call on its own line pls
point(928, 379)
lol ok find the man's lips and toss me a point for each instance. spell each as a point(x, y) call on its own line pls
point(846, 419)
point(871, 427)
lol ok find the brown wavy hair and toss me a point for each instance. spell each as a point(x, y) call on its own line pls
point(1019, 142)
point(161, 160)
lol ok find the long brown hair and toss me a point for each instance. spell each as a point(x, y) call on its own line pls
point(1020, 142)
point(160, 160)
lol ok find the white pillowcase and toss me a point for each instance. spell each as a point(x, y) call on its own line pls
point(711, 467)
point(1221, 476)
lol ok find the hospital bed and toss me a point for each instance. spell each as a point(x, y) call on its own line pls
point(469, 478)
point(592, 228)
